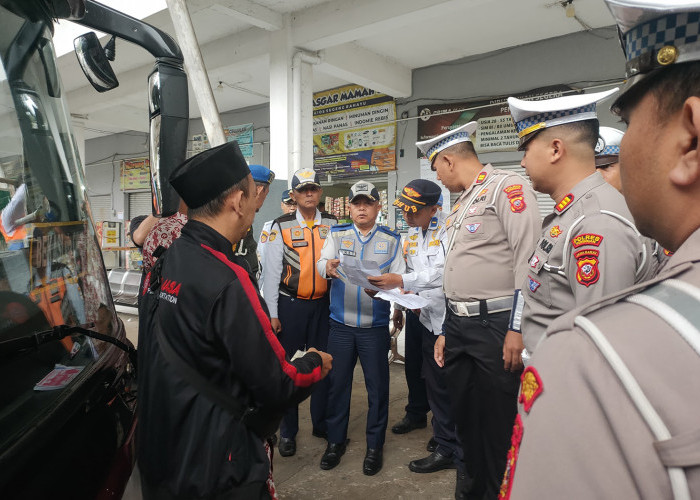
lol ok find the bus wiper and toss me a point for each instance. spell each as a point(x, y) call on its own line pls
point(14, 346)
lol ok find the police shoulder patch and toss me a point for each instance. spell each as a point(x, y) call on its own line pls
point(587, 271)
point(531, 387)
point(263, 237)
point(273, 235)
point(590, 239)
point(511, 459)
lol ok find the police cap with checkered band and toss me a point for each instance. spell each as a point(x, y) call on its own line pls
point(432, 147)
point(607, 150)
point(531, 117)
point(655, 34)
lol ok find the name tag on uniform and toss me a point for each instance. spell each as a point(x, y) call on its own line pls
point(381, 247)
point(300, 244)
point(297, 233)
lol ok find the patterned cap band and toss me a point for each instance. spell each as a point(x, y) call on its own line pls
point(552, 118)
point(610, 150)
point(661, 41)
point(447, 142)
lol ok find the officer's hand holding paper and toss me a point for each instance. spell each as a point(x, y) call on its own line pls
point(357, 272)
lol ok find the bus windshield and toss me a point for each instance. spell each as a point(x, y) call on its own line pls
point(51, 269)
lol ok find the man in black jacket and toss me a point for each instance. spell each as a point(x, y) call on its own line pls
point(202, 312)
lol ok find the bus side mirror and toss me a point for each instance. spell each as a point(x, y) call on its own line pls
point(94, 63)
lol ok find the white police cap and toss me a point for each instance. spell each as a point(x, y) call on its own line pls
point(655, 34)
point(533, 116)
point(607, 150)
point(432, 147)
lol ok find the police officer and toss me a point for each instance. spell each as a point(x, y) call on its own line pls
point(359, 325)
point(295, 292)
point(491, 231)
point(247, 247)
point(287, 206)
point(425, 253)
point(610, 402)
point(213, 378)
point(589, 246)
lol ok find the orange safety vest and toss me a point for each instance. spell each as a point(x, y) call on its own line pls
point(302, 249)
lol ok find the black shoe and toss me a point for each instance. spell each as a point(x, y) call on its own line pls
point(331, 457)
point(408, 425)
point(319, 434)
point(432, 463)
point(432, 445)
point(373, 461)
point(287, 447)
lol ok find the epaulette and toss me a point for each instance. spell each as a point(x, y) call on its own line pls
point(286, 218)
point(341, 227)
point(388, 230)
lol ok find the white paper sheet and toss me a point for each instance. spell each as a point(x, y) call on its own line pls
point(408, 300)
point(356, 272)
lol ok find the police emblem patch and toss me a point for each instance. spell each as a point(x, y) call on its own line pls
point(555, 232)
point(587, 272)
point(511, 459)
point(472, 228)
point(517, 204)
point(263, 237)
point(381, 247)
point(323, 232)
point(533, 284)
point(273, 235)
point(531, 387)
point(348, 244)
point(297, 233)
point(534, 261)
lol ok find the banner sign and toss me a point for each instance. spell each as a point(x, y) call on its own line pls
point(496, 131)
point(354, 131)
point(135, 174)
point(241, 133)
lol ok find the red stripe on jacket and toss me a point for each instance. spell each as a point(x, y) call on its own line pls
point(300, 379)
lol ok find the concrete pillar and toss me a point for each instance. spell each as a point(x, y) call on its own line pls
point(281, 105)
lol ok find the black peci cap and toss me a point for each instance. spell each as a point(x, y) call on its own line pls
point(205, 176)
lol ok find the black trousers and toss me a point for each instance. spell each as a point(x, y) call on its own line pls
point(417, 407)
point(439, 399)
point(483, 397)
point(304, 325)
